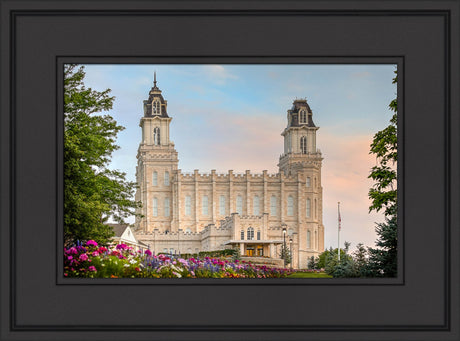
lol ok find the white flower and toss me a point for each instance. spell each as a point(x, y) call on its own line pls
point(132, 261)
point(126, 265)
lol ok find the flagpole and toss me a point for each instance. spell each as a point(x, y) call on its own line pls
point(338, 230)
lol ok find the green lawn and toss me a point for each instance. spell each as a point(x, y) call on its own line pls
point(309, 275)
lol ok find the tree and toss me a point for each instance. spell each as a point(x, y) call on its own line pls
point(385, 147)
point(285, 254)
point(92, 192)
point(312, 263)
point(361, 260)
point(383, 260)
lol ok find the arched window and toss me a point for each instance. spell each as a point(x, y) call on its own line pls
point(204, 205)
point(308, 208)
point(239, 204)
point(156, 108)
point(273, 206)
point(242, 234)
point(250, 233)
point(222, 205)
point(316, 240)
point(303, 116)
point(188, 205)
point(303, 145)
point(256, 203)
point(258, 234)
point(308, 240)
point(188, 230)
point(290, 206)
point(308, 182)
point(155, 207)
point(166, 178)
point(315, 183)
point(155, 178)
point(167, 207)
point(156, 136)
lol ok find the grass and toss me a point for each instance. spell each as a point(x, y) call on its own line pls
point(309, 275)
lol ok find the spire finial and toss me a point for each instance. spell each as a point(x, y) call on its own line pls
point(154, 78)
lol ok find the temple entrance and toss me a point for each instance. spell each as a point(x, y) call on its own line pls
point(250, 250)
point(255, 250)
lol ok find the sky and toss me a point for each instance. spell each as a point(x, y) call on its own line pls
point(231, 117)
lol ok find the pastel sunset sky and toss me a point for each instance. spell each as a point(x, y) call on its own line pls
point(231, 117)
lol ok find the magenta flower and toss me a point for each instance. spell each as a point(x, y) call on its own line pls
point(148, 252)
point(95, 254)
point(72, 251)
point(83, 257)
point(122, 247)
point(92, 268)
point(91, 243)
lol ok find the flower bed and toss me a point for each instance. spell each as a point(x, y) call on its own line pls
point(93, 261)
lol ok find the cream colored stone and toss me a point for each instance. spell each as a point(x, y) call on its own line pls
point(188, 229)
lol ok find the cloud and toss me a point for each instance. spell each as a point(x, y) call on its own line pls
point(218, 74)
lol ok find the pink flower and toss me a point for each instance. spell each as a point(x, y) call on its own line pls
point(95, 254)
point(122, 247)
point(148, 252)
point(72, 251)
point(102, 249)
point(92, 268)
point(83, 257)
point(91, 243)
point(70, 258)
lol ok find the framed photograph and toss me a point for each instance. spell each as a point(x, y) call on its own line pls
point(234, 41)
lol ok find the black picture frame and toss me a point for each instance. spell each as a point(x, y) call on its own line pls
point(422, 38)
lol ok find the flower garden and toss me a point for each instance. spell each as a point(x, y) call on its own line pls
point(93, 261)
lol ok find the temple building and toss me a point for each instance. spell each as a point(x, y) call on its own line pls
point(255, 213)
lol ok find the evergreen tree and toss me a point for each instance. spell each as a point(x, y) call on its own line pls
point(383, 259)
point(92, 192)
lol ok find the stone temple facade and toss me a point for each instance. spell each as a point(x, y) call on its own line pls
point(187, 213)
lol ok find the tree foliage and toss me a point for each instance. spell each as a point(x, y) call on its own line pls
point(383, 259)
point(92, 192)
point(385, 148)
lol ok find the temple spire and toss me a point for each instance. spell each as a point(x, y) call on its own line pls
point(154, 79)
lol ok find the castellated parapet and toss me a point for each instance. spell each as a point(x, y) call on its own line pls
point(191, 212)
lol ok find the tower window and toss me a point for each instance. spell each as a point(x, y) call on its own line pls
point(250, 233)
point(308, 182)
point(308, 239)
point(167, 207)
point(303, 116)
point(188, 205)
point(204, 205)
point(256, 208)
point(308, 208)
point(273, 206)
point(156, 136)
point(166, 178)
point(155, 178)
point(258, 234)
point(222, 205)
point(315, 213)
point(239, 204)
point(303, 145)
point(155, 207)
point(290, 206)
point(242, 234)
point(156, 108)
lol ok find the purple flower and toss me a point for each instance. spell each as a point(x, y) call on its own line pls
point(92, 268)
point(122, 247)
point(91, 243)
point(148, 252)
